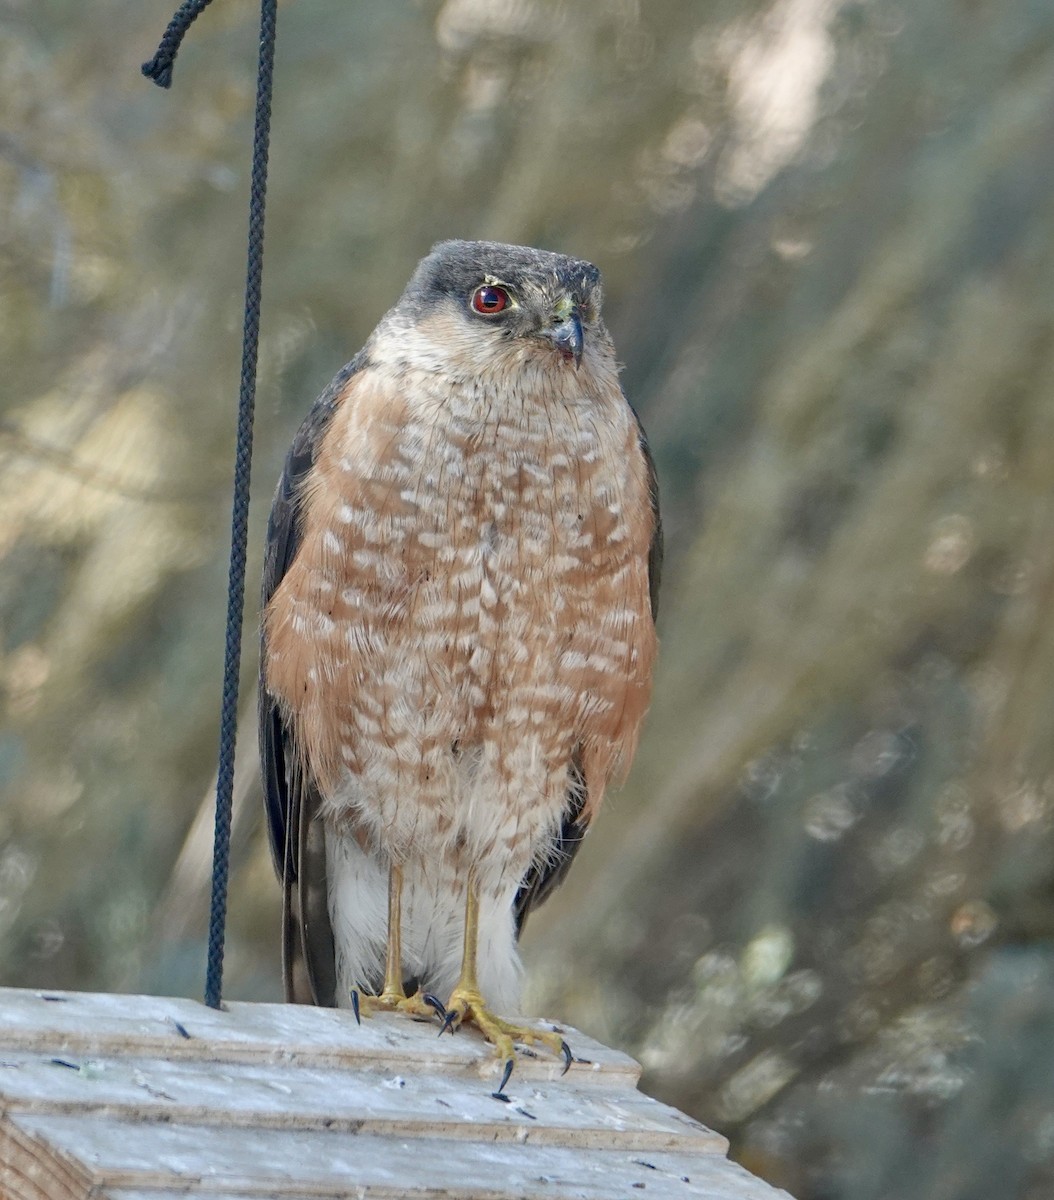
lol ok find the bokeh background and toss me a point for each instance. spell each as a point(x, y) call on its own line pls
point(822, 911)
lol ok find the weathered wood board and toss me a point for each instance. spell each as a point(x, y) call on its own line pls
point(144, 1098)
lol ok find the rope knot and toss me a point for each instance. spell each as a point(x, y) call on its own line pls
point(159, 68)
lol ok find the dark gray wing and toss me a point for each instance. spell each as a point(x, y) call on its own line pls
point(542, 880)
point(655, 550)
point(291, 798)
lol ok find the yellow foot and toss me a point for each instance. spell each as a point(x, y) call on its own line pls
point(466, 1006)
point(418, 1005)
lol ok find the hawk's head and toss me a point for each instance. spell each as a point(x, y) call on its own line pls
point(495, 298)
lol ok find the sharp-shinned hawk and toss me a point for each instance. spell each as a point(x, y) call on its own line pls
point(458, 634)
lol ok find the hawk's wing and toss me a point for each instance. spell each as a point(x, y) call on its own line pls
point(290, 795)
point(541, 880)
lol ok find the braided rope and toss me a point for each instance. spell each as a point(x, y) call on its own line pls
point(160, 69)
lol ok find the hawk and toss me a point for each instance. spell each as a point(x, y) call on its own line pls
point(458, 635)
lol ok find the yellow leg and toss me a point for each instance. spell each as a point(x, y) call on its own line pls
point(393, 958)
point(466, 1003)
point(393, 997)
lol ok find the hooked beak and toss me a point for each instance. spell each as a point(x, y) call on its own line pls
point(566, 335)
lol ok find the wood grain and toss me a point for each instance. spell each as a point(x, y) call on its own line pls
point(138, 1098)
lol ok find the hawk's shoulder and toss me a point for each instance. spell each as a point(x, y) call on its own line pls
point(283, 524)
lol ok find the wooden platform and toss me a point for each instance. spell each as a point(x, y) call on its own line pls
point(144, 1098)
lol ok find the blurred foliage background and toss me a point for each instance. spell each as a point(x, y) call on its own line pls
point(822, 911)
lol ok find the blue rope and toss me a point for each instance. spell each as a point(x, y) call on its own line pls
point(160, 69)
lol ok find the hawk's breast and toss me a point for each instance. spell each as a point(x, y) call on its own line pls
point(468, 611)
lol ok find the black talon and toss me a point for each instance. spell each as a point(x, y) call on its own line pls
point(569, 1058)
point(436, 1003)
point(449, 1019)
point(355, 1006)
point(506, 1075)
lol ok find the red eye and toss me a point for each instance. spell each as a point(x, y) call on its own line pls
point(489, 300)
